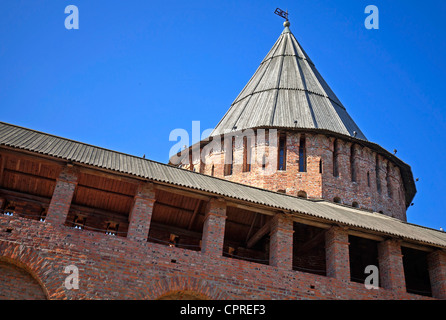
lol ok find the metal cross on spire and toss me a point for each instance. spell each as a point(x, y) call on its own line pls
point(283, 14)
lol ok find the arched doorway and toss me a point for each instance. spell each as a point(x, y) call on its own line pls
point(16, 283)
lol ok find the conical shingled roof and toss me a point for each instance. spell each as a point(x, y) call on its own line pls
point(287, 91)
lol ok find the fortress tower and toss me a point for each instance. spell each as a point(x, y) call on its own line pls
point(288, 132)
point(282, 201)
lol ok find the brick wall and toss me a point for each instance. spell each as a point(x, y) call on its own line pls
point(18, 284)
point(122, 268)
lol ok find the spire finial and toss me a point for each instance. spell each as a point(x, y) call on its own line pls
point(283, 14)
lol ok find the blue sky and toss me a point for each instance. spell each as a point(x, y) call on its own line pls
point(136, 70)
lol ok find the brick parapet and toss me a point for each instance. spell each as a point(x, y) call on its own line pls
point(119, 268)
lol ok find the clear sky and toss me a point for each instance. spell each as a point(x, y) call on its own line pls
point(136, 70)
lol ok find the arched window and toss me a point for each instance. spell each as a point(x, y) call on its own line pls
point(337, 200)
point(302, 194)
point(355, 204)
point(281, 191)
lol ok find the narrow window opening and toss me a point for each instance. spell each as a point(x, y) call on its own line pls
point(212, 170)
point(229, 158)
point(378, 182)
point(368, 179)
point(320, 166)
point(246, 154)
point(191, 162)
point(302, 155)
point(282, 152)
point(388, 182)
point(335, 159)
point(353, 163)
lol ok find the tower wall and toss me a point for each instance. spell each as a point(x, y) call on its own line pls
point(365, 180)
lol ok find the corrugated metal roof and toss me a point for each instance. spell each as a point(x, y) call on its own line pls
point(77, 152)
point(287, 88)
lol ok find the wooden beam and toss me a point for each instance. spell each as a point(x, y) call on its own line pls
point(45, 202)
point(194, 215)
point(416, 246)
point(29, 175)
point(183, 192)
point(259, 235)
point(365, 235)
point(251, 227)
point(107, 191)
point(311, 222)
point(33, 156)
point(108, 175)
point(25, 196)
point(157, 203)
point(176, 230)
point(269, 212)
